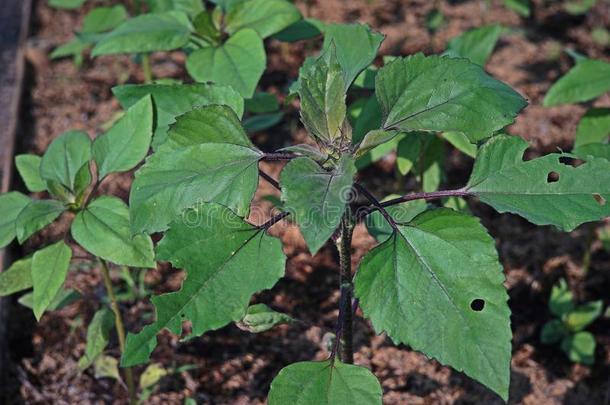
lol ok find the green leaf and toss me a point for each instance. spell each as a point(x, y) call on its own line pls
point(593, 127)
point(438, 280)
point(103, 229)
point(461, 143)
point(595, 150)
point(583, 315)
point(365, 116)
point(530, 189)
point(106, 367)
point(127, 143)
point(578, 7)
point(190, 7)
point(476, 44)
point(63, 298)
point(64, 158)
point(521, 7)
point(434, 20)
point(262, 103)
point(17, 277)
point(170, 182)
point(553, 332)
point(263, 121)
point(170, 101)
point(356, 46)
point(380, 229)
point(28, 167)
point(585, 81)
point(580, 347)
point(35, 216)
point(207, 124)
point(74, 48)
point(223, 256)
point(425, 155)
point(98, 336)
point(379, 152)
point(152, 375)
point(433, 93)
point(49, 268)
point(373, 139)
point(266, 17)
point(304, 29)
point(322, 93)
point(328, 382)
point(561, 302)
point(145, 33)
point(239, 62)
point(309, 151)
point(102, 19)
point(260, 318)
point(317, 196)
point(205, 27)
point(11, 204)
point(66, 4)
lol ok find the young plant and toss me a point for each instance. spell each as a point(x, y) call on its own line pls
point(567, 328)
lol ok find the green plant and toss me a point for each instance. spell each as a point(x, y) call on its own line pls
point(434, 282)
point(567, 328)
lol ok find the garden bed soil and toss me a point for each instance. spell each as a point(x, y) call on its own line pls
point(234, 367)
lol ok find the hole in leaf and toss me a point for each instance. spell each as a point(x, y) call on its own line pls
point(570, 161)
point(477, 304)
point(600, 200)
point(552, 177)
point(182, 315)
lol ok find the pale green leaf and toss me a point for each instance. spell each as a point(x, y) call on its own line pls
point(560, 302)
point(356, 47)
point(98, 336)
point(35, 216)
point(145, 33)
point(437, 282)
point(373, 139)
point(190, 7)
point(66, 4)
point(433, 93)
point(63, 298)
point(476, 44)
point(581, 316)
point(585, 81)
point(170, 182)
point(74, 48)
point(102, 19)
point(17, 277)
point(11, 204)
point(170, 101)
point(127, 143)
point(593, 127)
point(64, 158)
point(106, 367)
point(152, 375)
point(578, 7)
point(49, 268)
point(461, 143)
point(317, 197)
point(322, 94)
point(28, 167)
point(266, 17)
point(223, 256)
point(260, 318)
point(328, 382)
point(239, 62)
point(543, 190)
point(521, 7)
point(103, 229)
point(580, 347)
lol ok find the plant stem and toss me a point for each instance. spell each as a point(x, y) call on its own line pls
point(279, 156)
point(269, 179)
point(146, 68)
point(344, 246)
point(120, 329)
point(376, 204)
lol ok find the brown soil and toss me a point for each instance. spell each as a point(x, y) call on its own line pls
point(234, 367)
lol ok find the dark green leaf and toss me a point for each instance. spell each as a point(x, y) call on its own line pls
point(170, 101)
point(475, 45)
point(102, 19)
point(434, 20)
point(328, 382)
point(127, 143)
point(543, 190)
point(145, 33)
point(596, 150)
point(205, 27)
point(223, 256)
point(365, 116)
point(49, 268)
point(307, 28)
point(239, 62)
point(64, 158)
point(263, 121)
point(262, 103)
point(103, 229)
point(356, 47)
point(307, 150)
point(580, 347)
point(17, 277)
point(553, 332)
point(35, 216)
point(438, 280)
point(172, 181)
point(266, 17)
point(585, 81)
point(28, 167)
point(98, 336)
point(11, 204)
point(433, 93)
point(317, 197)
